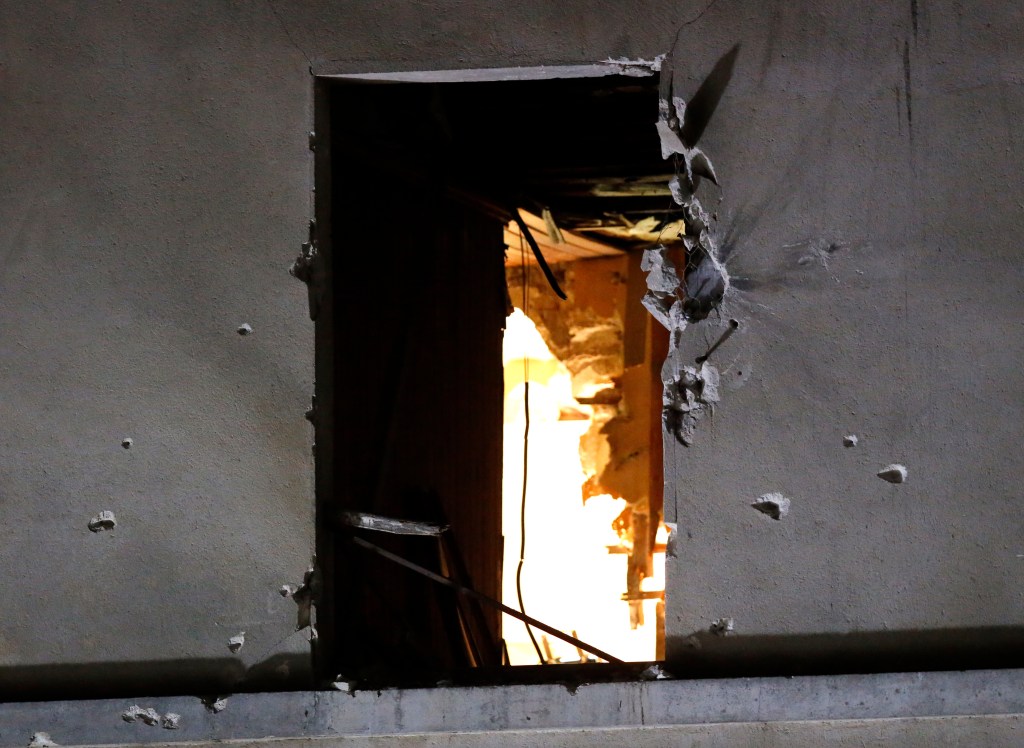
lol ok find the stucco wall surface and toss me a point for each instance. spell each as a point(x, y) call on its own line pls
point(871, 219)
point(156, 185)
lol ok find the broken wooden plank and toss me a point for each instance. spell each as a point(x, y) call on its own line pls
point(643, 595)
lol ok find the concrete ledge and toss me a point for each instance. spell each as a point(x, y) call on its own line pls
point(1004, 731)
point(549, 708)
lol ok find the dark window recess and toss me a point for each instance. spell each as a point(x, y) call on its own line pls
point(414, 216)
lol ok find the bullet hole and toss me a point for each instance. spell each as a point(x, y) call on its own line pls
point(894, 473)
point(304, 597)
point(244, 329)
point(103, 521)
point(236, 642)
point(850, 440)
point(42, 740)
point(723, 627)
point(127, 442)
point(136, 713)
point(775, 505)
point(215, 704)
point(171, 721)
point(287, 590)
point(688, 395)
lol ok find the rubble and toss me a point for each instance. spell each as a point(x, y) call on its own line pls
point(689, 393)
point(171, 721)
point(136, 713)
point(674, 301)
point(723, 627)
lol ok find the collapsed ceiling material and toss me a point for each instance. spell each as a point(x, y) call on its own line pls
point(564, 246)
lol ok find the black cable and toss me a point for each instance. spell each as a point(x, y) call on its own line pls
point(526, 456)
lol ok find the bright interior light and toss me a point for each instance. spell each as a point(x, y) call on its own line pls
point(570, 579)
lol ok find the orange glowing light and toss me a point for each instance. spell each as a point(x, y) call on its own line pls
point(570, 578)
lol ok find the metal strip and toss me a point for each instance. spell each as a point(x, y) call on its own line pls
point(462, 589)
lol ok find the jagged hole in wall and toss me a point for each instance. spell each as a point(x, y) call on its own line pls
point(440, 313)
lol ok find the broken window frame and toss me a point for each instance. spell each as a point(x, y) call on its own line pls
point(321, 303)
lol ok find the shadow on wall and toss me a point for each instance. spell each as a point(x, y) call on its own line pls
point(709, 654)
point(98, 680)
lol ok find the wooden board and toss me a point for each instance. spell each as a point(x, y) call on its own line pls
point(574, 247)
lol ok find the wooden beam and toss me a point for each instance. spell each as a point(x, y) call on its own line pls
point(574, 247)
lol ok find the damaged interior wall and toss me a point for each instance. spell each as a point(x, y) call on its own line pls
point(156, 187)
point(613, 352)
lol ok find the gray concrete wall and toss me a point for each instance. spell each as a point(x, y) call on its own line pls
point(156, 185)
point(872, 218)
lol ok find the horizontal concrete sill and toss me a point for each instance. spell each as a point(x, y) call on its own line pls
point(1002, 731)
point(309, 717)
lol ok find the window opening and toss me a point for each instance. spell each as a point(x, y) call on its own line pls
point(438, 317)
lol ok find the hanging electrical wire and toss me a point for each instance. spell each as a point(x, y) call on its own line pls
point(526, 454)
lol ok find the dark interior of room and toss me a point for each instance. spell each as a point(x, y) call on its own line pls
point(423, 180)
